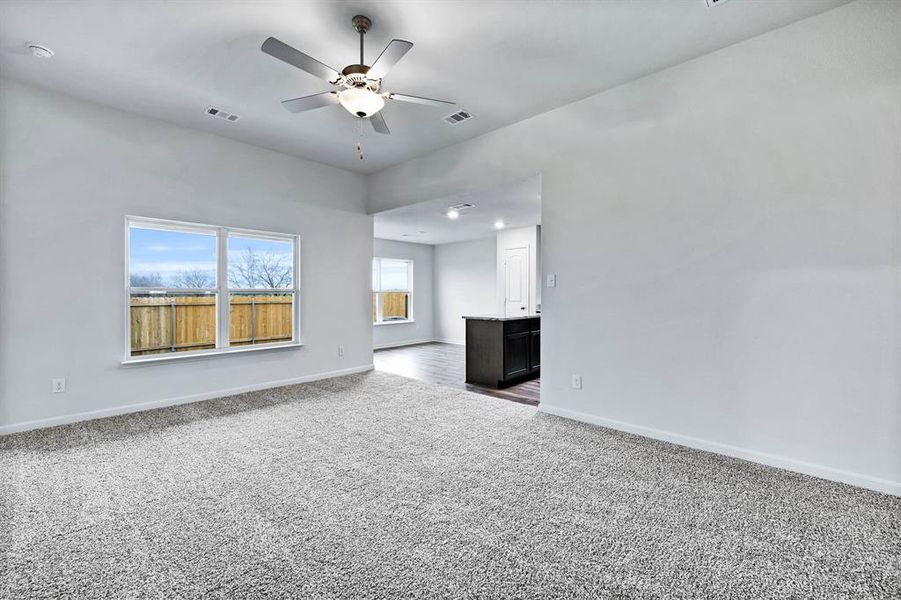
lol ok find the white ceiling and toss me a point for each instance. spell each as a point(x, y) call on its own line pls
point(502, 60)
point(517, 204)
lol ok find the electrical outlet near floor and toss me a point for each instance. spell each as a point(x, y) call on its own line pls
point(577, 382)
point(340, 350)
point(58, 385)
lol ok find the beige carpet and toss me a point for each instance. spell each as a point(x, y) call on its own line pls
point(375, 486)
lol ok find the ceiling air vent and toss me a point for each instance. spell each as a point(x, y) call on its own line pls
point(712, 3)
point(462, 206)
point(221, 114)
point(457, 117)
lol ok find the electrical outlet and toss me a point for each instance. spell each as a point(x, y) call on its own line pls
point(340, 350)
point(577, 382)
point(552, 280)
point(58, 385)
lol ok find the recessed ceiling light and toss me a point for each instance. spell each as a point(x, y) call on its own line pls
point(498, 224)
point(453, 213)
point(39, 51)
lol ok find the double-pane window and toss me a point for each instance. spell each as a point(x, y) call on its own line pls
point(200, 288)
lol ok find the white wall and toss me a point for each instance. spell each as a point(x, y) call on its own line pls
point(727, 246)
point(70, 172)
point(517, 238)
point(465, 284)
point(422, 329)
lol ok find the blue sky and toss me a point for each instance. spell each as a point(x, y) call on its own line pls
point(168, 253)
point(394, 275)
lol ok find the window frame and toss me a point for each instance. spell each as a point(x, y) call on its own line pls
point(221, 292)
point(379, 293)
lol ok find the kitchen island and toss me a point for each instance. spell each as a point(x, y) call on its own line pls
point(502, 351)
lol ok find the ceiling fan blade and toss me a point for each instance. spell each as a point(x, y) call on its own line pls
point(284, 52)
point(297, 105)
point(378, 123)
point(392, 53)
point(419, 100)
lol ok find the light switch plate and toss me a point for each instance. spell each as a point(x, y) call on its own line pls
point(552, 280)
point(577, 382)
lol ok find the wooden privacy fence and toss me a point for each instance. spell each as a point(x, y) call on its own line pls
point(395, 305)
point(259, 319)
point(181, 323)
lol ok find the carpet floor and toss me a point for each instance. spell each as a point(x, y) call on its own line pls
point(376, 486)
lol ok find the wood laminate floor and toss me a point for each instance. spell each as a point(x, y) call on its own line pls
point(445, 364)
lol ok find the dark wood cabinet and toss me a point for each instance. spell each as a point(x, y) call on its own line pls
point(502, 352)
point(516, 354)
point(535, 350)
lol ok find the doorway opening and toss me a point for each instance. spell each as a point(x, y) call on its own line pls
point(473, 261)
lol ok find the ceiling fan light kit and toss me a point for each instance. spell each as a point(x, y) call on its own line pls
point(361, 102)
point(357, 87)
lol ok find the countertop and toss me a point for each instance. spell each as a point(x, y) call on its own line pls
point(493, 318)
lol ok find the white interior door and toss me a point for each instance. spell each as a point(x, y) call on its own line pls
point(516, 281)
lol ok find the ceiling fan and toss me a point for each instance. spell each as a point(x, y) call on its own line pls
point(357, 87)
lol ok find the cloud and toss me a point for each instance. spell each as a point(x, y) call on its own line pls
point(168, 268)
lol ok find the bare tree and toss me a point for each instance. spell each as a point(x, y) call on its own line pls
point(146, 280)
point(255, 269)
point(193, 278)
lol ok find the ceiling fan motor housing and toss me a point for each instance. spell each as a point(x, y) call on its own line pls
point(361, 23)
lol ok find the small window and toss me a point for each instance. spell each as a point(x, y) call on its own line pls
point(392, 290)
point(179, 274)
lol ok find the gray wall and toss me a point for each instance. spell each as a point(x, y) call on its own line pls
point(727, 246)
point(465, 284)
point(71, 171)
point(422, 329)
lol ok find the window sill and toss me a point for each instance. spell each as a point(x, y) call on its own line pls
point(393, 323)
point(203, 354)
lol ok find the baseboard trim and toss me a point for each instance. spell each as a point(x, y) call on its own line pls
point(857, 479)
point(402, 344)
point(131, 408)
point(417, 342)
point(446, 341)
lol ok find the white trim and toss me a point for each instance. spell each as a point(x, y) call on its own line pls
point(398, 322)
point(400, 344)
point(448, 341)
point(223, 303)
point(177, 225)
point(131, 408)
point(149, 359)
point(781, 462)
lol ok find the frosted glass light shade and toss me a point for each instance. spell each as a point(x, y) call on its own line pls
point(361, 102)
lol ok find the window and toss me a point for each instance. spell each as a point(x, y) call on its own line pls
point(392, 290)
point(205, 289)
point(261, 290)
